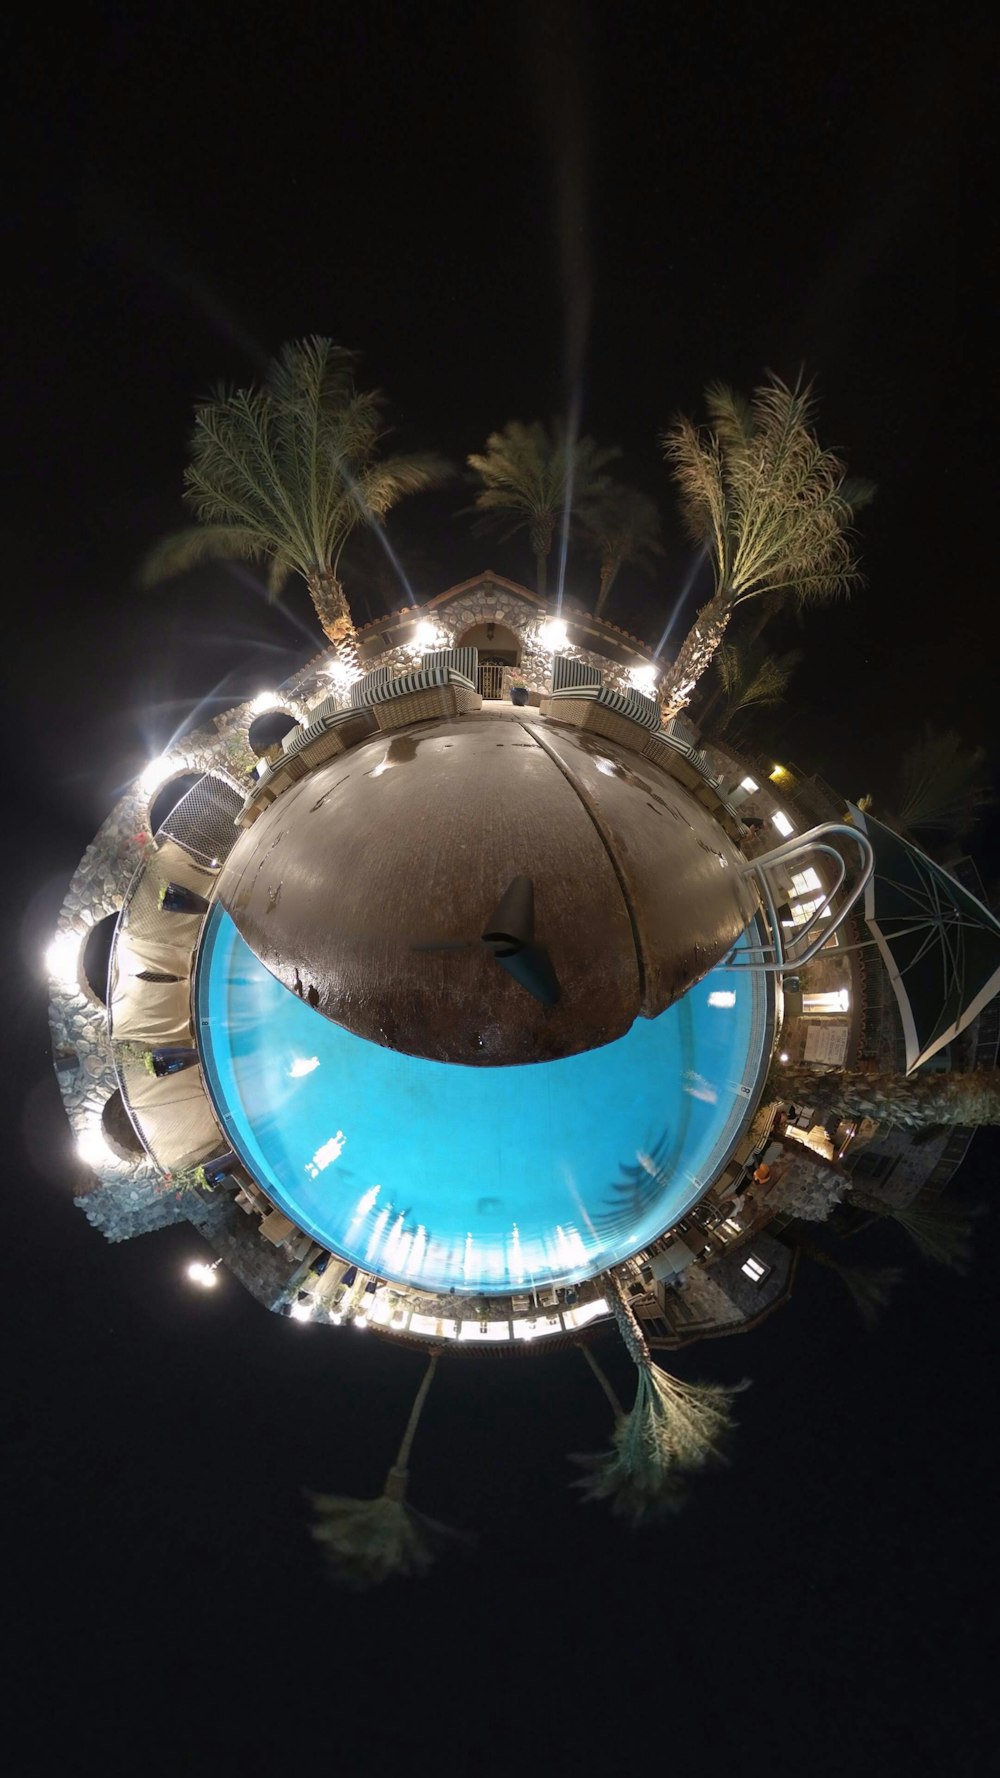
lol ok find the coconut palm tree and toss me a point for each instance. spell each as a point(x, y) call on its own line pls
point(939, 1229)
point(749, 679)
point(367, 1542)
point(533, 477)
point(283, 474)
point(911, 1100)
point(870, 1286)
point(770, 506)
point(623, 530)
point(673, 1429)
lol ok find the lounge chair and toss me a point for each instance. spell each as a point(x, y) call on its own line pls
point(329, 731)
point(420, 696)
point(627, 717)
point(464, 661)
point(568, 673)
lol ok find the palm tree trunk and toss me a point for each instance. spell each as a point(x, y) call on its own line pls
point(395, 1484)
point(541, 573)
point(609, 574)
point(616, 1406)
point(913, 1100)
point(628, 1326)
point(332, 609)
point(696, 654)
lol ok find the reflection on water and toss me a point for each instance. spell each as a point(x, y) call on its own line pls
point(481, 1179)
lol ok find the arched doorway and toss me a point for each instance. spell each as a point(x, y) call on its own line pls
point(499, 647)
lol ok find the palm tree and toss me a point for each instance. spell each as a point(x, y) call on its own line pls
point(749, 679)
point(943, 787)
point(672, 1430)
point(534, 476)
point(369, 1541)
point(911, 1100)
point(771, 507)
point(941, 1231)
point(870, 1286)
point(623, 529)
point(285, 472)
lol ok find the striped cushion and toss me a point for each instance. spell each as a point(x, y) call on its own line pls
point(322, 726)
point(677, 730)
point(632, 704)
point(674, 742)
point(464, 660)
point(362, 688)
point(567, 672)
point(423, 680)
point(292, 740)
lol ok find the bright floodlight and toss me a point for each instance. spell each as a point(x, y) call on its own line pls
point(203, 1275)
point(341, 674)
point(91, 1146)
point(156, 773)
point(265, 700)
point(301, 1312)
point(61, 958)
point(426, 634)
point(749, 784)
point(783, 824)
point(643, 679)
point(553, 634)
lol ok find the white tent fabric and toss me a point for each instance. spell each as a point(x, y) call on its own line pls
point(175, 1118)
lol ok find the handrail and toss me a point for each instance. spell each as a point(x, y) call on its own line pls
point(775, 958)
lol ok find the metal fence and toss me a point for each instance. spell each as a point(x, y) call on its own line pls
point(202, 821)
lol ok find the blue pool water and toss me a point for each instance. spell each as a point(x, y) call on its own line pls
point(485, 1179)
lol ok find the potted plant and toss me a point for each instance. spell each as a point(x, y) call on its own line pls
point(186, 1179)
point(518, 692)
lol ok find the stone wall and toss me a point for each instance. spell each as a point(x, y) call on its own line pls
point(490, 602)
point(126, 1199)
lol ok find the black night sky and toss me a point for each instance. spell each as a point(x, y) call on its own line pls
point(494, 204)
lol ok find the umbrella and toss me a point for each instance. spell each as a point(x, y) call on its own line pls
point(940, 945)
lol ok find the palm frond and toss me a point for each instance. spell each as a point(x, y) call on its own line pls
point(290, 469)
point(312, 373)
point(871, 1288)
point(367, 1542)
point(940, 1230)
point(696, 459)
point(202, 543)
point(622, 527)
point(673, 1430)
point(532, 472)
point(731, 415)
point(385, 483)
point(774, 505)
point(944, 785)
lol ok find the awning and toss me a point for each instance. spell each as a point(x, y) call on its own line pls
point(939, 943)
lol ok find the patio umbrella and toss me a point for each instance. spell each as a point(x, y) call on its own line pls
point(940, 945)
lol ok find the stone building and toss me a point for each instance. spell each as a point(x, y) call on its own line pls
point(506, 623)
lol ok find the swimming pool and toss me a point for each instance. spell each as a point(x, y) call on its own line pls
point(479, 1179)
